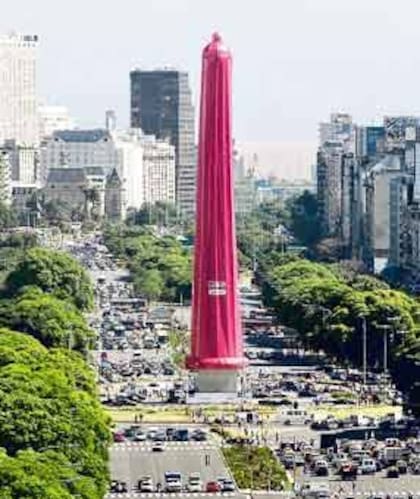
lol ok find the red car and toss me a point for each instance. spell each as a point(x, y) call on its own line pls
point(119, 437)
point(213, 487)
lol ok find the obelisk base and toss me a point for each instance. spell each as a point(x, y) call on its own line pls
point(217, 381)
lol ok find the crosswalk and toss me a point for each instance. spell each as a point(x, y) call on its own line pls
point(404, 494)
point(168, 446)
point(138, 495)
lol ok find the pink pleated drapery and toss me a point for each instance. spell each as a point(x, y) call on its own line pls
point(216, 328)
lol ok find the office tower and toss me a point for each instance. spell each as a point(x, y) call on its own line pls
point(216, 339)
point(337, 139)
point(370, 141)
point(161, 105)
point(158, 171)
point(52, 118)
point(5, 178)
point(18, 99)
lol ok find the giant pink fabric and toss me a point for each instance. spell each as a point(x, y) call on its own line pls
point(216, 329)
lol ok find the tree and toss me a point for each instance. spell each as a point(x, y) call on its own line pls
point(43, 406)
point(329, 249)
point(7, 217)
point(57, 211)
point(160, 266)
point(53, 322)
point(304, 218)
point(53, 272)
point(46, 475)
point(325, 303)
point(148, 283)
point(159, 213)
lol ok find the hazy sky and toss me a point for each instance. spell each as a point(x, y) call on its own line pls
point(295, 61)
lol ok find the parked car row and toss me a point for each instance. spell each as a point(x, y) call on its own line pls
point(137, 433)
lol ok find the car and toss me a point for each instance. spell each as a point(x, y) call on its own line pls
point(199, 435)
point(194, 483)
point(227, 485)
point(169, 433)
point(160, 436)
point(152, 433)
point(415, 469)
point(140, 436)
point(158, 447)
point(340, 459)
point(402, 466)
point(213, 486)
point(118, 486)
point(368, 466)
point(393, 472)
point(348, 471)
point(119, 437)
point(321, 467)
point(145, 484)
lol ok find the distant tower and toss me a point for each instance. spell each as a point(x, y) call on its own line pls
point(161, 105)
point(18, 96)
point(110, 120)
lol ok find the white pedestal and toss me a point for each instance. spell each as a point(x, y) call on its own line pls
point(212, 381)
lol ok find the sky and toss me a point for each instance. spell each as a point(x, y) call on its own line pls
point(295, 61)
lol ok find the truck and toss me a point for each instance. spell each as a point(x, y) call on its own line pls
point(392, 454)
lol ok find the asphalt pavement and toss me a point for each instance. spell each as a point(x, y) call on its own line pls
point(366, 484)
point(132, 460)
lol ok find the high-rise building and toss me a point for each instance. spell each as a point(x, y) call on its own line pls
point(161, 105)
point(18, 96)
point(5, 178)
point(337, 140)
point(158, 171)
point(52, 118)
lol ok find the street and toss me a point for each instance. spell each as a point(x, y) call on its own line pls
point(135, 363)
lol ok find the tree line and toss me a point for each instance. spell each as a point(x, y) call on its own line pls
point(330, 305)
point(160, 266)
point(54, 434)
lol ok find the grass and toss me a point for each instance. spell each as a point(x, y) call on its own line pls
point(151, 415)
point(375, 411)
point(256, 468)
point(179, 414)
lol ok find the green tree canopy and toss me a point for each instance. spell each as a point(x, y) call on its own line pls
point(54, 272)
point(304, 219)
point(160, 266)
point(49, 475)
point(48, 402)
point(54, 322)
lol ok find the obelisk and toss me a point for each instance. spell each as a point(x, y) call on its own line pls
point(216, 344)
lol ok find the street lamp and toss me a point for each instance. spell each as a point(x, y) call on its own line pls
point(385, 328)
point(364, 348)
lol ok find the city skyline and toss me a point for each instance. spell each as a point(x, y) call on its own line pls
point(303, 51)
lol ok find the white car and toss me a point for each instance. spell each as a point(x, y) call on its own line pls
point(368, 466)
point(194, 483)
point(140, 436)
point(146, 484)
